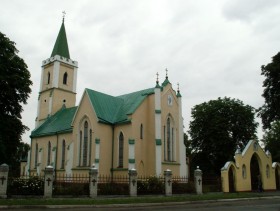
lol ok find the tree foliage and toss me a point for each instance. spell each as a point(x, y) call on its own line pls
point(271, 140)
point(14, 91)
point(217, 128)
point(270, 111)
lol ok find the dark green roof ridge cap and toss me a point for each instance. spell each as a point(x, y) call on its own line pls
point(61, 46)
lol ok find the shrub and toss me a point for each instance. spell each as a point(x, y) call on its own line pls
point(26, 186)
point(151, 185)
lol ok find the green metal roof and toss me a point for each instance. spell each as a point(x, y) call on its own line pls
point(61, 46)
point(109, 110)
point(60, 122)
point(115, 110)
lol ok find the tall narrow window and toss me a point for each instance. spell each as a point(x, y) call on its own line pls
point(63, 154)
point(85, 145)
point(65, 78)
point(49, 78)
point(164, 142)
point(168, 140)
point(121, 142)
point(80, 151)
point(90, 145)
point(36, 155)
point(141, 131)
point(172, 144)
point(49, 153)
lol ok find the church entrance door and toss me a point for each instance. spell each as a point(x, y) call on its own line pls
point(231, 180)
point(255, 172)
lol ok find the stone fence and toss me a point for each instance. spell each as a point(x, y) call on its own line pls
point(93, 181)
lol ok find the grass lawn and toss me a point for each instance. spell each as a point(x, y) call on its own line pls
point(127, 200)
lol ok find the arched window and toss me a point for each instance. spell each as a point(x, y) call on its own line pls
point(65, 78)
point(85, 145)
point(80, 151)
point(121, 143)
point(49, 153)
point(244, 173)
point(141, 131)
point(90, 145)
point(49, 78)
point(36, 155)
point(169, 140)
point(63, 154)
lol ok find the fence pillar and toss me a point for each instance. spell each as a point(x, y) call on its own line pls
point(4, 170)
point(93, 182)
point(168, 182)
point(132, 182)
point(48, 187)
point(198, 180)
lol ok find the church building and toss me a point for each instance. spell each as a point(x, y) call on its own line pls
point(141, 130)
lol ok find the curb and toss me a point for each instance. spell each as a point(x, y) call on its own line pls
point(134, 205)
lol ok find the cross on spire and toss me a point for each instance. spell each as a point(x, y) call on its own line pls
point(63, 15)
point(178, 88)
point(157, 77)
point(166, 73)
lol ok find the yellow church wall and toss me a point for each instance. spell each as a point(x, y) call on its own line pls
point(99, 131)
point(60, 96)
point(55, 155)
point(145, 147)
point(60, 169)
point(170, 111)
point(47, 69)
point(64, 68)
point(44, 105)
point(127, 133)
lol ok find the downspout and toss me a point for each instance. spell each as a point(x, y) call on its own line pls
point(29, 170)
point(112, 160)
point(56, 152)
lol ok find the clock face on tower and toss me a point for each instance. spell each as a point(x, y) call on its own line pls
point(169, 100)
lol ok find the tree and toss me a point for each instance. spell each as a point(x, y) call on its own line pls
point(14, 91)
point(270, 111)
point(217, 128)
point(271, 140)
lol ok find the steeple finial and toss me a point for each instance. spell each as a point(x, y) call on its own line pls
point(178, 91)
point(63, 15)
point(157, 77)
point(166, 73)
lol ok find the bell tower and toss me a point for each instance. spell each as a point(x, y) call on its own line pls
point(58, 80)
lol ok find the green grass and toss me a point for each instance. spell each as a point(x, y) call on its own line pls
point(126, 200)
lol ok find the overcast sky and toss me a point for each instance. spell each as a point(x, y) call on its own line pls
point(211, 48)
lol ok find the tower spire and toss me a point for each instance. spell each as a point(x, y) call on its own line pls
point(61, 46)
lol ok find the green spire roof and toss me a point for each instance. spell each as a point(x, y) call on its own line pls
point(61, 47)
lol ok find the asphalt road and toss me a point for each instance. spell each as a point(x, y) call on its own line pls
point(239, 205)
